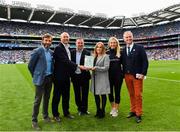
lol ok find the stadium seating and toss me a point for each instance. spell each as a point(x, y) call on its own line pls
point(161, 41)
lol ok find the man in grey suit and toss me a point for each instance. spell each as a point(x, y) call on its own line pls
point(41, 69)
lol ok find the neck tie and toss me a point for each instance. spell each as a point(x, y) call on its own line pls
point(128, 51)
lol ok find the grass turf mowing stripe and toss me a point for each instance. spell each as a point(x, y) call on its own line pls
point(163, 79)
point(160, 103)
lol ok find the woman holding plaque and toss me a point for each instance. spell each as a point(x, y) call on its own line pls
point(100, 78)
point(115, 75)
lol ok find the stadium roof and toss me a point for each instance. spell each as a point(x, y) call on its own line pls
point(46, 14)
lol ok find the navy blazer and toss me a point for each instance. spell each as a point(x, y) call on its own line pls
point(139, 59)
point(84, 73)
point(38, 65)
point(63, 67)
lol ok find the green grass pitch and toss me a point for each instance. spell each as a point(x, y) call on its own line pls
point(161, 103)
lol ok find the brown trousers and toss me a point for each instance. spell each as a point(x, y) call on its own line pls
point(135, 88)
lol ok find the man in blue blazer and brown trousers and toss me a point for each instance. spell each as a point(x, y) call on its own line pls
point(135, 65)
point(41, 69)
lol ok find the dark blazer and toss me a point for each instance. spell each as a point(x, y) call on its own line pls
point(38, 65)
point(85, 74)
point(63, 67)
point(139, 59)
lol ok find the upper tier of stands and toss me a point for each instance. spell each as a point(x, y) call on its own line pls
point(19, 28)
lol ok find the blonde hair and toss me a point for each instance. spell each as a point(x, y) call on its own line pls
point(96, 46)
point(118, 48)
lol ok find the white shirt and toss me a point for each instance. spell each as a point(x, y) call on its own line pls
point(131, 46)
point(67, 50)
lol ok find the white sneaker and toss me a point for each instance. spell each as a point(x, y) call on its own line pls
point(112, 111)
point(115, 113)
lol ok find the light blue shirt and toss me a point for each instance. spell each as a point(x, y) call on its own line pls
point(48, 61)
point(78, 56)
point(78, 59)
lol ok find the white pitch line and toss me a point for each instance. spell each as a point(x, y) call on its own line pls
point(163, 79)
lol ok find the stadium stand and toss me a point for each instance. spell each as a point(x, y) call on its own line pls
point(158, 32)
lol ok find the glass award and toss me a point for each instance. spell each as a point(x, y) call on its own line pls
point(88, 62)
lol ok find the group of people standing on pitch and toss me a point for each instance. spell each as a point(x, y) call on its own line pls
point(110, 66)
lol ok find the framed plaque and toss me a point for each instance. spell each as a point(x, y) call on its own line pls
point(88, 61)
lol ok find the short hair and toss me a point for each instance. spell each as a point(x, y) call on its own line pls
point(63, 34)
point(128, 32)
point(47, 35)
point(80, 39)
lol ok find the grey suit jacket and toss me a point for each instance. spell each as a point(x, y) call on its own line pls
point(38, 65)
point(100, 77)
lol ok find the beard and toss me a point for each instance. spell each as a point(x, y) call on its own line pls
point(46, 45)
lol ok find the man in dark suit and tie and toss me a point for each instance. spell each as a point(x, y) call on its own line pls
point(41, 69)
point(135, 65)
point(63, 68)
point(80, 78)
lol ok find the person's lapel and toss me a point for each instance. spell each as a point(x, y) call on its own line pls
point(125, 51)
point(133, 50)
point(44, 56)
point(64, 49)
point(73, 55)
point(99, 60)
point(82, 57)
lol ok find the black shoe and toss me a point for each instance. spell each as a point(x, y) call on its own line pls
point(36, 126)
point(131, 114)
point(69, 116)
point(83, 113)
point(138, 119)
point(87, 113)
point(97, 114)
point(102, 114)
point(80, 113)
point(57, 119)
point(47, 119)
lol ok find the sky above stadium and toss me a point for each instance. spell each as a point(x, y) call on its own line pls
point(111, 8)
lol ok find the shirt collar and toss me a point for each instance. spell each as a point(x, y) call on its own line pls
point(79, 51)
point(45, 49)
point(130, 46)
point(66, 45)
